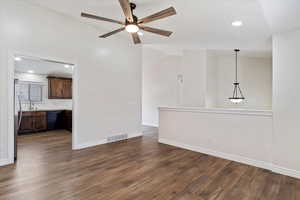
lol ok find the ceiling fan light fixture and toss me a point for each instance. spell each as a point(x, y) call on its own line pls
point(132, 24)
point(132, 28)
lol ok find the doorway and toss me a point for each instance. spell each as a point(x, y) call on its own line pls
point(44, 95)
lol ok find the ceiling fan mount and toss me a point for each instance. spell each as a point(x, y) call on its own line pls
point(132, 6)
point(132, 23)
point(135, 18)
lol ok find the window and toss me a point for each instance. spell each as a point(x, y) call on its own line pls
point(29, 92)
point(35, 93)
point(22, 92)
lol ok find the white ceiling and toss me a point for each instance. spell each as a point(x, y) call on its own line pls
point(201, 23)
point(282, 15)
point(43, 67)
point(179, 51)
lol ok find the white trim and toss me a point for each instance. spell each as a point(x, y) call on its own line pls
point(236, 158)
point(267, 113)
point(104, 141)
point(75, 107)
point(4, 162)
point(150, 124)
point(10, 111)
point(286, 171)
point(89, 144)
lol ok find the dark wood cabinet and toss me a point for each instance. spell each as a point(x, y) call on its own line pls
point(33, 122)
point(67, 89)
point(27, 123)
point(38, 121)
point(68, 120)
point(59, 88)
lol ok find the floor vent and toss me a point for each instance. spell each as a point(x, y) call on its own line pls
point(117, 138)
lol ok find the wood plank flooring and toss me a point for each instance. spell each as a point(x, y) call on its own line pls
point(139, 169)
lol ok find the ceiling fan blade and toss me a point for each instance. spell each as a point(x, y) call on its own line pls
point(160, 15)
point(101, 18)
point(126, 9)
point(112, 33)
point(136, 38)
point(156, 31)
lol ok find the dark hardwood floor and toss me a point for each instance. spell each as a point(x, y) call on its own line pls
point(139, 168)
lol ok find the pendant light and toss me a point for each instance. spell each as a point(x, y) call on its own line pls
point(237, 96)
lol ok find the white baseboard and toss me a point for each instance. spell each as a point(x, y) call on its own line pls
point(104, 141)
point(4, 162)
point(285, 171)
point(89, 144)
point(236, 158)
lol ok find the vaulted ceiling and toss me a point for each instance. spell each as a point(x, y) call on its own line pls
point(201, 23)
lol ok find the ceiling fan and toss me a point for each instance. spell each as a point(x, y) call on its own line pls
point(133, 24)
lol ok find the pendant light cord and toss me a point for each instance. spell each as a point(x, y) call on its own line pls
point(236, 66)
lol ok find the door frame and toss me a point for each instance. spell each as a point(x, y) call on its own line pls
point(10, 114)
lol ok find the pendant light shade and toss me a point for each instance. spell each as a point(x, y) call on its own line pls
point(237, 96)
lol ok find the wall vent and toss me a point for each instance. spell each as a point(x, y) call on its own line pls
point(117, 138)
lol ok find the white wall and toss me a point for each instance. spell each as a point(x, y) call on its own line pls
point(274, 141)
point(109, 89)
point(243, 136)
point(286, 98)
point(161, 80)
point(3, 110)
point(63, 104)
point(208, 78)
point(255, 77)
point(211, 96)
point(277, 147)
point(193, 69)
point(160, 85)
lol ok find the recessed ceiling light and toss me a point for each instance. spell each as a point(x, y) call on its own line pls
point(237, 23)
point(18, 58)
point(30, 71)
point(140, 33)
point(67, 66)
